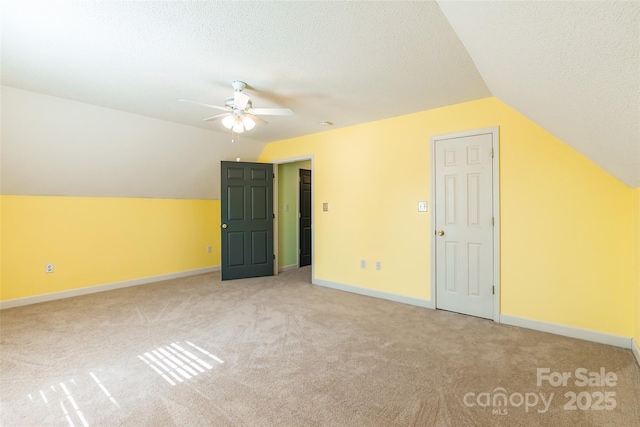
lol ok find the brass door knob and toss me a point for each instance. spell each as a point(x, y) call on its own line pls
point(441, 233)
point(224, 225)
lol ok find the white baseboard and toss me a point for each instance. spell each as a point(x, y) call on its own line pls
point(373, 293)
point(17, 302)
point(287, 268)
point(636, 350)
point(567, 331)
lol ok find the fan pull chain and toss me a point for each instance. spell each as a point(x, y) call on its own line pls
point(232, 141)
point(238, 136)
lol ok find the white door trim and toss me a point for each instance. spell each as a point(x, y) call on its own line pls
point(494, 131)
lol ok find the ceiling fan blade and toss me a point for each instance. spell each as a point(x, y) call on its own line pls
point(206, 105)
point(216, 117)
point(256, 118)
point(272, 111)
point(240, 100)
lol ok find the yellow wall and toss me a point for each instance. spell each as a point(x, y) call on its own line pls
point(570, 232)
point(94, 241)
point(636, 210)
point(565, 231)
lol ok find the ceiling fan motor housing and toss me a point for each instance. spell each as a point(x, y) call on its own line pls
point(229, 102)
point(238, 85)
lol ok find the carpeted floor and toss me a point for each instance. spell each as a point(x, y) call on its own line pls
point(279, 351)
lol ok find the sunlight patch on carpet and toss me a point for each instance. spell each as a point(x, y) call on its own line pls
point(104, 389)
point(71, 400)
point(67, 394)
point(176, 364)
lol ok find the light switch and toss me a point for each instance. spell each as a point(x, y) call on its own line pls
point(325, 207)
point(422, 206)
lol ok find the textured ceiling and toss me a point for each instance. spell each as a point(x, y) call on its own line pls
point(345, 62)
point(570, 66)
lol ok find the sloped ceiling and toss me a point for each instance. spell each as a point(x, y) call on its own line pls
point(345, 62)
point(571, 67)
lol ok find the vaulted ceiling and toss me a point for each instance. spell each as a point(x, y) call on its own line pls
point(572, 67)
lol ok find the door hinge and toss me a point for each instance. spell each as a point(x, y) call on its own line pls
point(493, 220)
point(299, 251)
point(274, 175)
point(492, 152)
point(274, 216)
point(274, 256)
point(493, 290)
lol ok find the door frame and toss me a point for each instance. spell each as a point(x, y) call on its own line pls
point(494, 131)
point(276, 242)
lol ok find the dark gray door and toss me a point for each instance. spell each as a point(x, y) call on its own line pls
point(246, 203)
point(305, 218)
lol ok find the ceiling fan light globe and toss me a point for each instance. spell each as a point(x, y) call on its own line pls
point(238, 128)
point(248, 122)
point(229, 121)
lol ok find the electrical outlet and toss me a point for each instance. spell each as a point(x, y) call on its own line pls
point(378, 265)
point(208, 249)
point(48, 268)
point(363, 263)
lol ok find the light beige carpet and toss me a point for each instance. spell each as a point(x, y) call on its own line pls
point(279, 351)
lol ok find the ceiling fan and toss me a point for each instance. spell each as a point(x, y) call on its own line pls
point(239, 114)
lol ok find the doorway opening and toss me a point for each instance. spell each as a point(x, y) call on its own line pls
point(289, 239)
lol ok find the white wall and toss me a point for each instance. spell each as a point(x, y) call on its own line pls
point(57, 147)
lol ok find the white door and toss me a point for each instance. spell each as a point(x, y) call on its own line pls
point(464, 224)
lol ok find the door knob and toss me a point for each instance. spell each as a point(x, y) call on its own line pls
point(224, 225)
point(441, 233)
